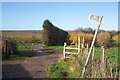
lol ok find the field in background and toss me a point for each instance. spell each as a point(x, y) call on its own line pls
point(35, 36)
point(24, 36)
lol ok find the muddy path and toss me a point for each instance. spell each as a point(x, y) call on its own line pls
point(33, 67)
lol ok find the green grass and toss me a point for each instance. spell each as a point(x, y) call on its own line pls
point(22, 52)
point(58, 69)
point(62, 69)
point(109, 52)
point(58, 47)
point(112, 51)
point(21, 48)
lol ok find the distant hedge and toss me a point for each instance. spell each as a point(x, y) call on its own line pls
point(53, 35)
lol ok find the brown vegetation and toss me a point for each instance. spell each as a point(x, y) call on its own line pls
point(116, 38)
point(103, 39)
point(74, 37)
point(26, 36)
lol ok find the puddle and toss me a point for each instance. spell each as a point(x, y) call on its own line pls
point(39, 51)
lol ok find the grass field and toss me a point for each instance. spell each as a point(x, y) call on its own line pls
point(27, 36)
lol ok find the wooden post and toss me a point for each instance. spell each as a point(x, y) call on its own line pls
point(6, 49)
point(78, 44)
point(116, 63)
point(103, 54)
point(82, 47)
point(111, 72)
point(32, 46)
point(83, 40)
point(103, 62)
point(64, 50)
point(6, 46)
point(93, 60)
point(87, 46)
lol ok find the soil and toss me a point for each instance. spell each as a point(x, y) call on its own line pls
point(32, 67)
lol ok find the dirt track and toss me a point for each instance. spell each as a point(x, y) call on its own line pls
point(33, 67)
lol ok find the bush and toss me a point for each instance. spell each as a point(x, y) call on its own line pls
point(116, 38)
point(52, 35)
point(103, 39)
point(88, 38)
point(74, 37)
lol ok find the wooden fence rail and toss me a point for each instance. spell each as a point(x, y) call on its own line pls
point(79, 48)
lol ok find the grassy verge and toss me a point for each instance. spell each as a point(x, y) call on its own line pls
point(73, 68)
point(60, 69)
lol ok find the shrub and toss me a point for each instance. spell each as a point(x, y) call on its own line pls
point(103, 39)
point(74, 36)
point(116, 38)
point(53, 35)
point(88, 38)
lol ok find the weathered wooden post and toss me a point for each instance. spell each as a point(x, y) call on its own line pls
point(32, 47)
point(87, 46)
point(6, 46)
point(83, 40)
point(78, 44)
point(111, 72)
point(6, 49)
point(116, 61)
point(64, 48)
point(81, 49)
point(93, 52)
point(103, 54)
point(103, 62)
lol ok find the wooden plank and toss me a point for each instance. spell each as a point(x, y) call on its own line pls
point(67, 57)
point(64, 48)
point(71, 53)
point(71, 48)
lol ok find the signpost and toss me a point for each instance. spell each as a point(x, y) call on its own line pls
point(98, 19)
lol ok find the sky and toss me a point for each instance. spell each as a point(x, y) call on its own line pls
point(65, 15)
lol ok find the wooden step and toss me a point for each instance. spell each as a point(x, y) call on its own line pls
point(71, 53)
